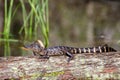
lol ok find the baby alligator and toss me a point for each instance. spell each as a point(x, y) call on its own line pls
point(38, 49)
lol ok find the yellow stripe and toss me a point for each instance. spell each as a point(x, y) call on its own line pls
point(72, 51)
point(80, 50)
point(84, 50)
point(75, 50)
point(89, 50)
point(94, 49)
point(104, 48)
point(100, 49)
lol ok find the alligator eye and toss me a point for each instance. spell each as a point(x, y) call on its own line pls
point(36, 46)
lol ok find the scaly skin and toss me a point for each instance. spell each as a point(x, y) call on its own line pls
point(38, 49)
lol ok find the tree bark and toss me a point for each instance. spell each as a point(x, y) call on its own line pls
point(84, 66)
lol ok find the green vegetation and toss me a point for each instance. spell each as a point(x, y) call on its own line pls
point(7, 23)
point(36, 17)
point(39, 9)
point(41, 13)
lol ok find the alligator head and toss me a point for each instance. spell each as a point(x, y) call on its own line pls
point(36, 46)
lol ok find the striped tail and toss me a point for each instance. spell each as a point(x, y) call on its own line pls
point(99, 49)
point(106, 48)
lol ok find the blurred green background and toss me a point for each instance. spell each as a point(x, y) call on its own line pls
point(78, 23)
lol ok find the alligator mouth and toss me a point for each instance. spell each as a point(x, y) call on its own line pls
point(26, 48)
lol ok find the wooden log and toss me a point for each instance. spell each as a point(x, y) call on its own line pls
point(84, 67)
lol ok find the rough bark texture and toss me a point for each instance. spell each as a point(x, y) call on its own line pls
point(103, 66)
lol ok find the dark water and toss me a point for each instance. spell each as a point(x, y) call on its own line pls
point(15, 48)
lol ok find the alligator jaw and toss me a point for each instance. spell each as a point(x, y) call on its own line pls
point(26, 48)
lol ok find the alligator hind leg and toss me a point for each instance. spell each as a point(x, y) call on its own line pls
point(70, 56)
